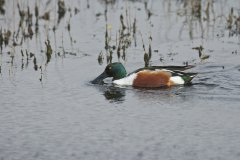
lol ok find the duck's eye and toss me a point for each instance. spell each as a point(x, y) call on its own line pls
point(109, 69)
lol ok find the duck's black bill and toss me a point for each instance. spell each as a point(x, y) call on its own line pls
point(100, 78)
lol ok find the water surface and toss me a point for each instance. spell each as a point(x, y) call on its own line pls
point(54, 112)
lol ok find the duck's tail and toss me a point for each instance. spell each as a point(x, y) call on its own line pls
point(187, 77)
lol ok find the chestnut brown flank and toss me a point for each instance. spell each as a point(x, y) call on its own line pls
point(148, 78)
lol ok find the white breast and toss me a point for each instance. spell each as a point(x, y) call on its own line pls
point(127, 81)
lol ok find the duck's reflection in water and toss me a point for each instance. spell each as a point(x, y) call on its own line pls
point(114, 94)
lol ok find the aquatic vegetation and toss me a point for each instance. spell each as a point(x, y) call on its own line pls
point(35, 63)
point(147, 55)
point(36, 11)
point(148, 11)
point(233, 23)
point(230, 19)
point(100, 58)
point(124, 38)
point(27, 25)
point(41, 74)
point(48, 51)
point(6, 36)
point(1, 40)
point(2, 10)
point(45, 16)
point(196, 6)
point(107, 2)
point(201, 55)
point(61, 10)
point(199, 15)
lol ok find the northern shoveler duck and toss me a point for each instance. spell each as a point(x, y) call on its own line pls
point(153, 76)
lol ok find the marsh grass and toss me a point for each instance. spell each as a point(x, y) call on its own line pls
point(233, 23)
point(123, 39)
point(38, 21)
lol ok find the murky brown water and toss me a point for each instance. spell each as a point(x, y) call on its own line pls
point(49, 110)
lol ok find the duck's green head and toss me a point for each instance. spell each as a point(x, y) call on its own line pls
point(115, 70)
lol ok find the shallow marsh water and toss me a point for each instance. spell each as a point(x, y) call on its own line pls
point(63, 116)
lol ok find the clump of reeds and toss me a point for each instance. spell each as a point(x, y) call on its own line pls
point(4, 38)
point(147, 54)
point(149, 13)
point(196, 6)
point(61, 9)
point(25, 29)
point(2, 10)
point(201, 55)
point(36, 11)
point(1, 39)
point(48, 51)
point(123, 38)
point(233, 23)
